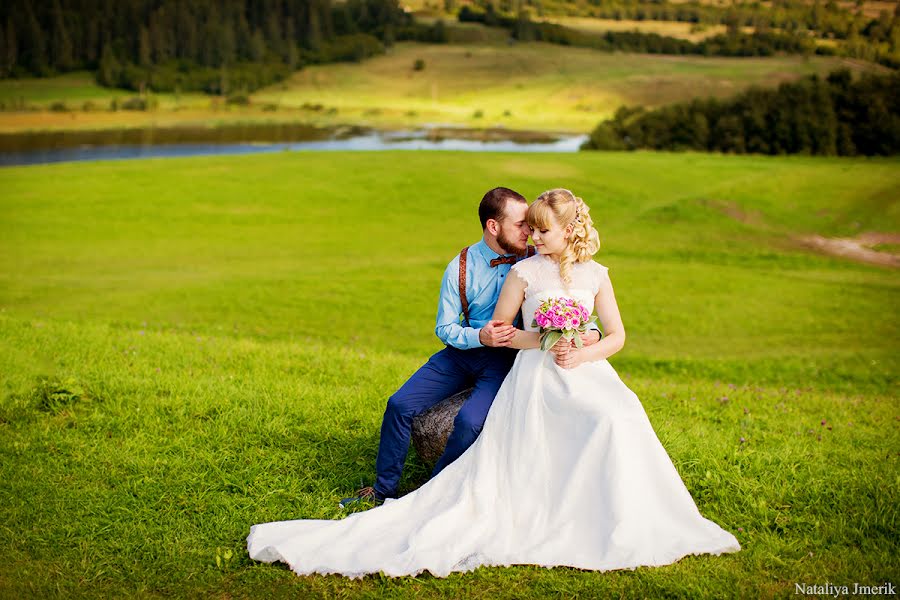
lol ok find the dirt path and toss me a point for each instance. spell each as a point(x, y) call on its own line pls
point(858, 248)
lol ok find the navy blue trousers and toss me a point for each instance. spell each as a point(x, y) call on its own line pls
point(446, 373)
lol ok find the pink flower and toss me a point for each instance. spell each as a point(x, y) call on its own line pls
point(561, 314)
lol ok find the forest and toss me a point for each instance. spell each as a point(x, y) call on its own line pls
point(835, 115)
point(213, 46)
point(237, 45)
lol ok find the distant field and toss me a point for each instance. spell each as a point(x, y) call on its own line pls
point(192, 346)
point(676, 29)
point(524, 86)
point(870, 8)
point(71, 87)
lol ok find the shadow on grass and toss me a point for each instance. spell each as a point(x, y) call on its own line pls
point(345, 460)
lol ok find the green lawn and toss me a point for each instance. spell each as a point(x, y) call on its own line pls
point(192, 346)
point(73, 87)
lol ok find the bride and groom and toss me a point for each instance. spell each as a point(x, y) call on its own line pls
point(552, 460)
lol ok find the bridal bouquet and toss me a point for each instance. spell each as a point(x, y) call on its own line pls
point(561, 318)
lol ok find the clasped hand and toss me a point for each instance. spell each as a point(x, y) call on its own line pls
point(496, 334)
point(568, 355)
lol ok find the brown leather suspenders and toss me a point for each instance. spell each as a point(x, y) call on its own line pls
point(462, 283)
point(529, 252)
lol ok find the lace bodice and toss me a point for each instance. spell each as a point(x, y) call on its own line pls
point(541, 274)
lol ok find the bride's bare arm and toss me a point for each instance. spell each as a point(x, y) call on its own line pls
point(613, 331)
point(508, 306)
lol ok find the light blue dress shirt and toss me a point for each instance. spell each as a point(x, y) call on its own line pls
point(483, 284)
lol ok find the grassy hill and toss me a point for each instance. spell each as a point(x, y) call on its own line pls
point(193, 346)
point(525, 86)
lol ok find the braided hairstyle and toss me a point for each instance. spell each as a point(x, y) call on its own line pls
point(567, 209)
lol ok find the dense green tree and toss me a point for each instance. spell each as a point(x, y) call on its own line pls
point(11, 53)
point(257, 46)
point(145, 57)
point(35, 44)
point(108, 72)
point(61, 51)
point(291, 54)
point(4, 68)
point(187, 42)
point(187, 33)
point(811, 116)
point(314, 35)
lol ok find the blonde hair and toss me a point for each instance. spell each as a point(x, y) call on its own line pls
point(566, 209)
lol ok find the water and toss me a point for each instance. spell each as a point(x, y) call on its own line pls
point(53, 147)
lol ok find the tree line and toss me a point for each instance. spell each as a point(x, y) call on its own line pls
point(825, 19)
point(733, 43)
point(211, 45)
point(857, 36)
point(835, 115)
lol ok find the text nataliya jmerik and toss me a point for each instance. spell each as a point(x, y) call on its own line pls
point(855, 589)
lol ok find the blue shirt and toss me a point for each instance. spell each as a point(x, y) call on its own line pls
point(483, 284)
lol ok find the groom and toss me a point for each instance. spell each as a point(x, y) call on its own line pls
point(477, 352)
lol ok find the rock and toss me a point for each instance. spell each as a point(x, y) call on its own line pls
point(431, 429)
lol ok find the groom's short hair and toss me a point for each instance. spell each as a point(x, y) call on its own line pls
point(494, 203)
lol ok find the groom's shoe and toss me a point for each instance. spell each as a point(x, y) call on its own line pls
point(367, 494)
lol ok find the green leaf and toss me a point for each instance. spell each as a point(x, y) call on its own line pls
point(550, 338)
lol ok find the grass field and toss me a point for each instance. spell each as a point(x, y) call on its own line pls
point(676, 29)
point(192, 346)
point(535, 86)
point(527, 86)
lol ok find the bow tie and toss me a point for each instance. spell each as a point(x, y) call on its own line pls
point(504, 260)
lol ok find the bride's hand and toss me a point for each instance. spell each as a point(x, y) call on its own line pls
point(569, 357)
point(589, 338)
point(561, 346)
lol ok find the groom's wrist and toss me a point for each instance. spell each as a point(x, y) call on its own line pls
point(473, 337)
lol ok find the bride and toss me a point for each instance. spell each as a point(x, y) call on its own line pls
point(567, 470)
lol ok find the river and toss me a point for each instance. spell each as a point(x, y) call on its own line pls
point(70, 146)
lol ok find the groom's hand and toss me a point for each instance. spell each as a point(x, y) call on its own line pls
point(496, 334)
point(589, 337)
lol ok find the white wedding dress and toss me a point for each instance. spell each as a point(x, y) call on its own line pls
point(567, 471)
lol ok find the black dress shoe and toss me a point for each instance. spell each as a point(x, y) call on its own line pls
point(367, 494)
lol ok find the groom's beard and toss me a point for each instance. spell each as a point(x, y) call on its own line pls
point(508, 246)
